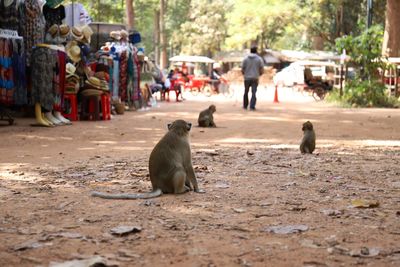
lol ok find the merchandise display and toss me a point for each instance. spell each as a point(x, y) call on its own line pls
point(46, 63)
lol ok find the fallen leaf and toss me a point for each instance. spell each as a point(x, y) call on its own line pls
point(363, 203)
point(286, 229)
point(31, 244)
point(91, 262)
point(222, 185)
point(239, 210)
point(124, 230)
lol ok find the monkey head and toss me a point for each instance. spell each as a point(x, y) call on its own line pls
point(180, 127)
point(307, 126)
point(213, 108)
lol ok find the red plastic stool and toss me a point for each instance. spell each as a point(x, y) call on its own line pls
point(92, 106)
point(73, 103)
point(106, 106)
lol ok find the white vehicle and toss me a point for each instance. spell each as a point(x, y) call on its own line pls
point(294, 73)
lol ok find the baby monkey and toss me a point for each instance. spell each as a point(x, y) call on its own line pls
point(308, 142)
point(206, 118)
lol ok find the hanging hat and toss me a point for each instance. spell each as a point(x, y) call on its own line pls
point(87, 33)
point(76, 33)
point(115, 35)
point(64, 30)
point(124, 35)
point(73, 51)
point(70, 69)
point(53, 30)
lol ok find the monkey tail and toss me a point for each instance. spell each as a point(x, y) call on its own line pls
point(155, 193)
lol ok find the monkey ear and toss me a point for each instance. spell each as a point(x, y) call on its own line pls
point(189, 126)
point(169, 126)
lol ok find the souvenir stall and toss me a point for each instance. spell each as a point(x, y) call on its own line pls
point(44, 52)
point(122, 60)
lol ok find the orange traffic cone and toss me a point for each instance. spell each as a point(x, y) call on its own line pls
point(276, 94)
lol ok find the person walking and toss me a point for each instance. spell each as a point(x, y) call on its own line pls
point(252, 68)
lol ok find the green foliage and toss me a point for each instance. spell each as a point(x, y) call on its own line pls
point(204, 31)
point(364, 94)
point(111, 11)
point(204, 26)
point(258, 20)
point(365, 52)
point(331, 19)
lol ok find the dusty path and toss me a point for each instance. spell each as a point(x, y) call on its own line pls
point(250, 167)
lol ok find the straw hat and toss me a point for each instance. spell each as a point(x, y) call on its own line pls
point(124, 35)
point(87, 33)
point(91, 92)
point(70, 68)
point(73, 51)
point(64, 30)
point(115, 35)
point(53, 30)
point(96, 83)
point(76, 33)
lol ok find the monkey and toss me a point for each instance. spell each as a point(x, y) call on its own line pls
point(206, 118)
point(308, 142)
point(170, 166)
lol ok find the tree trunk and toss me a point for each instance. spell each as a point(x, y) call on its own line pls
point(157, 37)
point(130, 15)
point(163, 36)
point(391, 39)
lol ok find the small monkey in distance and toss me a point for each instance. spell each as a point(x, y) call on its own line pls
point(206, 118)
point(308, 142)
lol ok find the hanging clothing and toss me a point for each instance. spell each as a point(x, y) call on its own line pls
point(59, 80)
point(19, 71)
point(33, 29)
point(8, 15)
point(76, 15)
point(115, 76)
point(123, 73)
point(6, 72)
point(53, 15)
point(136, 78)
point(44, 64)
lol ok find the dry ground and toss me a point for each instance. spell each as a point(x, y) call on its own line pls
point(250, 166)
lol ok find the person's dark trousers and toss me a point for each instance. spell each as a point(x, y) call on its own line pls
point(247, 84)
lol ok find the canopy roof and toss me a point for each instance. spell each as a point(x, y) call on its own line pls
point(194, 59)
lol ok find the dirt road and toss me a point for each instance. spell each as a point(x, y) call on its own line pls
point(265, 203)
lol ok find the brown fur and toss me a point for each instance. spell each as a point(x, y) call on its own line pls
point(206, 118)
point(308, 142)
point(170, 165)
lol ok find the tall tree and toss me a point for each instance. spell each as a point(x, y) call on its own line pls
point(391, 39)
point(163, 36)
point(157, 37)
point(130, 14)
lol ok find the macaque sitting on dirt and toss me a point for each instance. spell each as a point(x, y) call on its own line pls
point(308, 142)
point(206, 118)
point(170, 165)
